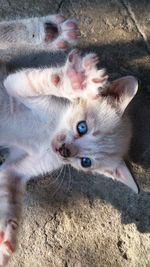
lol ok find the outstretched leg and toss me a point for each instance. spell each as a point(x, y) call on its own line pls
point(11, 194)
point(79, 77)
point(50, 31)
point(14, 173)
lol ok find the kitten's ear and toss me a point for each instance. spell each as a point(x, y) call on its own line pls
point(123, 89)
point(123, 174)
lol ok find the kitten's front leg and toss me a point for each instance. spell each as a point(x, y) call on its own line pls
point(53, 32)
point(78, 78)
point(11, 194)
point(14, 173)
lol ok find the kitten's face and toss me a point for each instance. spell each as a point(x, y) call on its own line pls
point(92, 136)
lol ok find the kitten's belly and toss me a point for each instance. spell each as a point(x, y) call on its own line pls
point(30, 130)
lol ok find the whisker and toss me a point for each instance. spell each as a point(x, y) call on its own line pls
point(57, 177)
point(61, 182)
point(70, 178)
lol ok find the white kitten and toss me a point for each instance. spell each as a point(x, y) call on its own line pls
point(55, 116)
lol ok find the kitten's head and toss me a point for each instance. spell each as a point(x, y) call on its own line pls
point(95, 135)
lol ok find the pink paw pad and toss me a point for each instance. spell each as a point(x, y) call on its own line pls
point(72, 35)
point(51, 31)
point(77, 79)
point(55, 79)
point(62, 45)
point(70, 25)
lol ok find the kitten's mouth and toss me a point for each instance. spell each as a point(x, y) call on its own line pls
point(61, 150)
point(65, 150)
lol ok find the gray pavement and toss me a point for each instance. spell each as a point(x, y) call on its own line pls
point(77, 220)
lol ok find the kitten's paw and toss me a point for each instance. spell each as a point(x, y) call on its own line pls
point(86, 80)
point(7, 240)
point(58, 32)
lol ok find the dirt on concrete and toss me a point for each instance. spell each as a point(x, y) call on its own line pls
point(77, 220)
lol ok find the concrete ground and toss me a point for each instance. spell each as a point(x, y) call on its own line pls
point(76, 220)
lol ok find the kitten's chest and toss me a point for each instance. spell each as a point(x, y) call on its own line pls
point(36, 130)
point(31, 128)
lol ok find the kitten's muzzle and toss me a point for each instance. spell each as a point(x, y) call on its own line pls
point(68, 150)
point(64, 151)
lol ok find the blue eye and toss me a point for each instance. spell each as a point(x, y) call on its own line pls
point(82, 128)
point(86, 162)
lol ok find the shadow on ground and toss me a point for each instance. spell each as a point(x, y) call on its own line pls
point(57, 192)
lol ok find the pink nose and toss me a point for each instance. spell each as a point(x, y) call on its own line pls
point(68, 150)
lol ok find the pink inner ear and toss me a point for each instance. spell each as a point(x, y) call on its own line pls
point(115, 90)
point(123, 175)
point(123, 90)
point(125, 86)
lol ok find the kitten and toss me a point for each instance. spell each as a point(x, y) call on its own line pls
point(55, 116)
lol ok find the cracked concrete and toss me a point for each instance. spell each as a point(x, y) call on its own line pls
point(59, 6)
point(77, 220)
point(138, 25)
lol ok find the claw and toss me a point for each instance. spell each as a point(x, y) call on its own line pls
point(60, 18)
point(73, 54)
point(90, 60)
point(69, 25)
point(14, 224)
point(1, 236)
point(9, 247)
point(100, 80)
